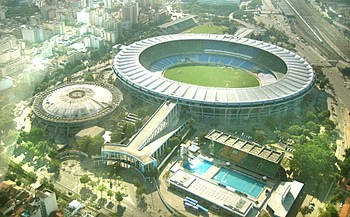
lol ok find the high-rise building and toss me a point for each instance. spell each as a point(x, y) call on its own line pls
point(131, 12)
point(2, 13)
point(33, 34)
point(48, 203)
point(93, 41)
point(83, 16)
point(107, 4)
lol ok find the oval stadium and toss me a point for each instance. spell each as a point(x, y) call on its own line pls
point(215, 75)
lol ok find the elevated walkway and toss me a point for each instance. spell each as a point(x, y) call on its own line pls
point(149, 142)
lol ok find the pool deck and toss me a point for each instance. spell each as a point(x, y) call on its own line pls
point(216, 166)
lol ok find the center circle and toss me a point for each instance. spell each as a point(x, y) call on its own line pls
point(212, 76)
point(77, 94)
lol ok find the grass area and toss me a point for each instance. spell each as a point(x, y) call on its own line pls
point(208, 29)
point(212, 76)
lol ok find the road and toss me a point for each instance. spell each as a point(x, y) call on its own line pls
point(335, 46)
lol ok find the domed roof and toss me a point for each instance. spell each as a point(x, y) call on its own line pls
point(77, 101)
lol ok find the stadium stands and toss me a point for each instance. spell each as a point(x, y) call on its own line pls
point(289, 76)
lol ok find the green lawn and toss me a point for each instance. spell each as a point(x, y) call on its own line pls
point(208, 29)
point(212, 76)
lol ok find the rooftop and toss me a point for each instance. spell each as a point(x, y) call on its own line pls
point(283, 197)
point(297, 81)
point(211, 192)
point(245, 146)
point(91, 131)
point(136, 147)
point(76, 102)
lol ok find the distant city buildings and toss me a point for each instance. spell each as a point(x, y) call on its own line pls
point(2, 13)
point(107, 4)
point(17, 201)
point(83, 16)
point(9, 50)
point(33, 34)
point(130, 12)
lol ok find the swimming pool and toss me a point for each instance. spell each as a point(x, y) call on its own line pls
point(198, 165)
point(239, 182)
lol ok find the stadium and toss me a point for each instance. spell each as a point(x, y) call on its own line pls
point(283, 77)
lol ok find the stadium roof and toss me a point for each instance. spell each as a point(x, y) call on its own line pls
point(298, 80)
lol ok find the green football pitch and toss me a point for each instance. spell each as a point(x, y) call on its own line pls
point(212, 76)
point(207, 29)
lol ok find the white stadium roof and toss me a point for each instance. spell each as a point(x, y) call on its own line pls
point(298, 80)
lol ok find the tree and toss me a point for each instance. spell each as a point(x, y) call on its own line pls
point(137, 183)
point(54, 166)
point(313, 127)
point(329, 211)
point(47, 184)
point(89, 145)
point(130, 130)
point(140, 190)
point(116, 136)
point(313, 160)
point(119, 196)
point(109, 193)
point(101, 188)
point(345, 165)
point(92, 184)
point(84, 179)
point(89, 77)
point(260, 136)
point(304, 210)
point(35, 135)
point(324, 115)
point(173, 141)
point(295, 130)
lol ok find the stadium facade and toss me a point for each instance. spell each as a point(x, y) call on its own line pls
point(285, 78)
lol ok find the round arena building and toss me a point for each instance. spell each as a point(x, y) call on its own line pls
point(70, 107)
point(215, 75)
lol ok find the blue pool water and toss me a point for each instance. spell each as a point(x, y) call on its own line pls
point(198, 165)
point(239, 182)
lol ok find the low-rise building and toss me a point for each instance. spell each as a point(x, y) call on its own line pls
point(19, 202)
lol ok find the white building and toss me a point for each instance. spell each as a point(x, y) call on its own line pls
point(93, 41)
point(73, 208)
point(33, 34)
point(6, 83)
point(48, 203)
point(9, 49)
point(83, 16)
point(2, 13)
point(283, 198)
point(107, 4)
point(87, 3)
